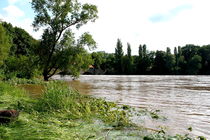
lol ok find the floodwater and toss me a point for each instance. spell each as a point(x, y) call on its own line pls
point(183, 100)
point(34, 90)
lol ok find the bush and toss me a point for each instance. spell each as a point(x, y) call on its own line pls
point(20, 67)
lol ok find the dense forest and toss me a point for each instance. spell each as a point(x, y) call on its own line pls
point(21, 56)
point(186, 60)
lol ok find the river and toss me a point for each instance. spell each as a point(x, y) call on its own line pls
point(183, 100)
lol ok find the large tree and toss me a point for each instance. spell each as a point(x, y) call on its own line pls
point(58, 18)
point(144, 61)
point(205, 54)
point(119, 57)
point(127, 61)
point(169, 62)
point(159, 63)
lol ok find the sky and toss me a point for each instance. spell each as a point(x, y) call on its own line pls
point(156, 23)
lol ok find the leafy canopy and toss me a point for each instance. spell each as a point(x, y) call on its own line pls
point(59, 50)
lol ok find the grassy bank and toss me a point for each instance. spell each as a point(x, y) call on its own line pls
point(63, 113)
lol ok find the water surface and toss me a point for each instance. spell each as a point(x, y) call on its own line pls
point(184, 100)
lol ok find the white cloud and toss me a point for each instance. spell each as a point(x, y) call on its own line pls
point(17, 17)
point(25, 24)
point(170, 14)
point(187, 22)
point(130, 20)
point(13, 11)
point(12, 1)
point(1, 17)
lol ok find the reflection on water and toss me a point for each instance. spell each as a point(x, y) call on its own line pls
point(184, 100)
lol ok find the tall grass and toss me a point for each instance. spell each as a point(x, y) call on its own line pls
point(58, 97)
point(60, 113)
point(63, 114)
point(11, 97)
point(15, 81)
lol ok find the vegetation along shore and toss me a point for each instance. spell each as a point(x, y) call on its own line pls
point(62, 113)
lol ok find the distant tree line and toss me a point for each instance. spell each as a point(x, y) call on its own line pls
point(23, 56)
point(60, 51)
point(186, 60)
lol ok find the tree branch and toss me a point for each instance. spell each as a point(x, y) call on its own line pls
point(50, 75)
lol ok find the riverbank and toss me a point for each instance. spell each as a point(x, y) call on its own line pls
point(63, 113)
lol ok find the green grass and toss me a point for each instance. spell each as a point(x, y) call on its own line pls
point(15, 81)
point(63, 114)
point(58, 97)
point(60, 113)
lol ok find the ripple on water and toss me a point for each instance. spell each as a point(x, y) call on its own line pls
point(184, 100)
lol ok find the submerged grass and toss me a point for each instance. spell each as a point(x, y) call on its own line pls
point(58, 97)
point(63, 113)
point(60, 113)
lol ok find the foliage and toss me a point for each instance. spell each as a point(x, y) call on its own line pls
point(17, 81)
point(118, 57)
point(57, 40)
point(128, 61)
point(21, 42)
point(144, 62)
point(169, 62)
point(21, 67)
point(204, 52)
point(4, 45)
point(159, 63)
point(109, 63)
point(21, 62)
point(194, 64)
point(60, 113)
point(99, 59)
point(187, 60)
point(59, 97)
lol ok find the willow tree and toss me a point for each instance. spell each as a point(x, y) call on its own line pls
point(59, 49)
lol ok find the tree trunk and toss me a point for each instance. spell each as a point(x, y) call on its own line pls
point(46, 78)
point(45, 75)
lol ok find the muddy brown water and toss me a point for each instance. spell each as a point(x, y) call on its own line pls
point(34, 90)
point(183, 100)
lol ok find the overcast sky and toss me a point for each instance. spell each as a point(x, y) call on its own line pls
point(156, 23)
